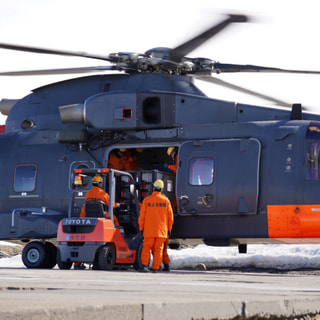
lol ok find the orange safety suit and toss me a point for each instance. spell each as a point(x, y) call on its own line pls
point(155, 221)
point(96, 193)
point(124, 161)
point(165, 258)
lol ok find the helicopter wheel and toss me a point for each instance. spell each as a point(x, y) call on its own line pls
point(34, 255)
point(51, 255)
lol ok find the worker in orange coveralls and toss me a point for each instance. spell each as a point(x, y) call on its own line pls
point(97, 193)
point(165, 258)
point(121, 159)
point(155, 221)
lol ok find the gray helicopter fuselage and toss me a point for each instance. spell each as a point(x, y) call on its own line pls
point(255, 159)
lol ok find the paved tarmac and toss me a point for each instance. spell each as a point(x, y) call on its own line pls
point(88, 294)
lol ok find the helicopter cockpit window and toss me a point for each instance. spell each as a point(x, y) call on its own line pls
point(201, 171)
point(25, 178)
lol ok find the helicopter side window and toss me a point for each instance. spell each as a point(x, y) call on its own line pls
point(313, 161)
point(313, 151)
point(25, 178)
point(86, 182)
point(201, 171)
point(152, 110)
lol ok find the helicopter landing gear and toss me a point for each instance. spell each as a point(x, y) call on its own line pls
point(38, 254)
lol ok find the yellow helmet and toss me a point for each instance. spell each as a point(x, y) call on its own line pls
point(169, 150)
point(158, 184)
point(123, 150)
point(97, 179)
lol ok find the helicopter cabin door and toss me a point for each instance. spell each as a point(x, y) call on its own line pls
point(218, 177)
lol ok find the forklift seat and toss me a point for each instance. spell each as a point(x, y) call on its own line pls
point(95, 209)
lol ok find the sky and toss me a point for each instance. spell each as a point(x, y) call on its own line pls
point(275, 256)
point(281, 34)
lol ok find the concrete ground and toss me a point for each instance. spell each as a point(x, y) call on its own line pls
point(221, 294)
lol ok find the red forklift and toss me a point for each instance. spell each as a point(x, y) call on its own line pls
point(95, 239)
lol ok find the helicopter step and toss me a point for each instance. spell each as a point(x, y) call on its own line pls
point(25, 223)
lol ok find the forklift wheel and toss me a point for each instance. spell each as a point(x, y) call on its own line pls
point(63, 264)
point(106, 258)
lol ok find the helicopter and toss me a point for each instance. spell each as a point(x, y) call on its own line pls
point(245, 173)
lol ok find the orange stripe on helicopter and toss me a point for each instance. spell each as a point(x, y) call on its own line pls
point(294, 221)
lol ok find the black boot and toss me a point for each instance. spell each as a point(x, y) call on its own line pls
point(144, 269)
point(166, 267)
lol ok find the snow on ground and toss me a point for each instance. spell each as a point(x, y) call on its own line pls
point(5, 243)
point(281, 257)
point(14, 262)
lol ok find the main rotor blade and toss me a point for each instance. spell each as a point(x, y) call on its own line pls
point(52, 51)
point(58, 71)
point(243, 90)
point(179, 52)
point(228, 67)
